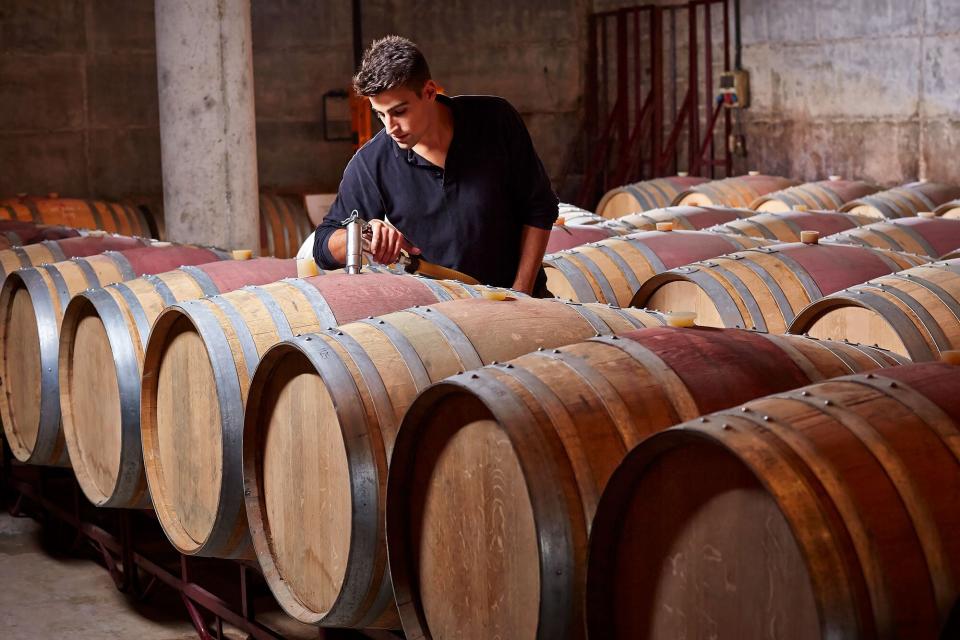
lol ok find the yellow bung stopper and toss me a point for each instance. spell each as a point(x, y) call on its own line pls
point(494, 294)
point(950, 357)
point(53, 194)
point(801, 207)
point(242, 254)
point(97, 233)
point(753, 173)
point(810, 237)
point(307, 267)
point(681, 319)
point(834, 178)
point(926, 214)
point(560, 222)
point(158, 243)
point(682, 174)
point(664, 226)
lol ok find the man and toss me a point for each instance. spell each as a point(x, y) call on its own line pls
point(458, 178)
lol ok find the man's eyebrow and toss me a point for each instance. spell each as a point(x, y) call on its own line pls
point(393, 108)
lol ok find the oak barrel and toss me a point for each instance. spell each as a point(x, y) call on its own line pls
point(931, 237)
point(572, 214)
point(949, 209)
point(765, 288)
point(644, 195)
point(689, 218)
point(199, 359)
point(567, 236)
point(102, 340)
point(31, 306)
point(80, 214)
point(788, 226)
point(315, 502)
point(284, 224)
point(496, 474)
point(825, 195)
point(740, 191)
point(612, 270)
point(34, 255)
point(906, 200)
point(825, 512)
point(14, 233)
point(915, 312)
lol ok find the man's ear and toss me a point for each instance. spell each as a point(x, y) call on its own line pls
point(429, 90)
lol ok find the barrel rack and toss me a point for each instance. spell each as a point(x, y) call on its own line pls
point(131, 546)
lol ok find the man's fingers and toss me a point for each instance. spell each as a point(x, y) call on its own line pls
point(407, 246)
point(375, 239)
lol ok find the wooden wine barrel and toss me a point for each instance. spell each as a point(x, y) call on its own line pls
point(689, 218)
point(572, 214)
point(568, 236)
point(907, 200)
point(102, 337)
point(197, 367)
point(931, 237)
point(79, 214)
point(948, 209)
point(644, 195)
point(765, 288)
point(284, 225)
point(787, 226)
point(825, 512)
point(496, 474)
point(59, 250)
point(612, 270)
point(952, 255)
point(317, 526)
point(31, 306)
point(740, 191)
point(14, 233)
point(825, 195)
point(915, 312)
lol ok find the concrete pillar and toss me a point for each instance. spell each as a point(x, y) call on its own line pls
point(207, 125)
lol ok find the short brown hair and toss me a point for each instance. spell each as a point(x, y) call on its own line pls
point(389, 63)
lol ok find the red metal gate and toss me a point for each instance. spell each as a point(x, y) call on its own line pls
point(651, 106)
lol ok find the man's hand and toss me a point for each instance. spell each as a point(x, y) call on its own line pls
point(387, 241)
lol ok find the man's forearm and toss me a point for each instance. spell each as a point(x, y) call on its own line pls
point(337, 245)
point(533, 243)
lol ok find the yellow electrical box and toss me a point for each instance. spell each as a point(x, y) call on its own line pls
point(735, 89)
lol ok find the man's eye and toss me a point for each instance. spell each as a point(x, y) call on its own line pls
point(399, 112)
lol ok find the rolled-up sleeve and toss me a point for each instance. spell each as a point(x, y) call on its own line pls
point(358, 191)
point(531, 185)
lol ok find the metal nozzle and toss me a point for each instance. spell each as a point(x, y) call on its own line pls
point(354, 243)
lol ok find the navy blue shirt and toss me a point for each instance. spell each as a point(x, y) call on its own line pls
point(467, 216)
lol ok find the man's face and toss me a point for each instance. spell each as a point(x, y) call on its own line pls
point(404, 115)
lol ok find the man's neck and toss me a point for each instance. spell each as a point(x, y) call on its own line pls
point(434, 145)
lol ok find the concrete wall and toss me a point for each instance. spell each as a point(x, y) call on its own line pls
point(866, 89)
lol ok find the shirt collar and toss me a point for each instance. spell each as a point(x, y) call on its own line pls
point(411, 156)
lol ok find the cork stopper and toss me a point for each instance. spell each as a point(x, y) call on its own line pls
point(307, 267)
point(560, 222)
point(664, 226)
point(494, 294)
point(834, 178)
point(950, 357)
point(810, 237)
point(801, 207)
point(242, 254)
point(53, 194)
point(926, 214)
point(682, 174)
point(159, 243)
point(97, 233)
point(22, 195)
point(753, 173)
point(681, 319)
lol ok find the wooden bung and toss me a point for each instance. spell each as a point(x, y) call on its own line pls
point(496, 473)
point(828, 511)
point(914, 313)
point(740, 191)
point(102, 339)
point(322, 414)
point(31, 307)
point(612, 270)
point(197, 367)
point(788, 226)
point(765, 288)
point(646, 195)
point(931, 237)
